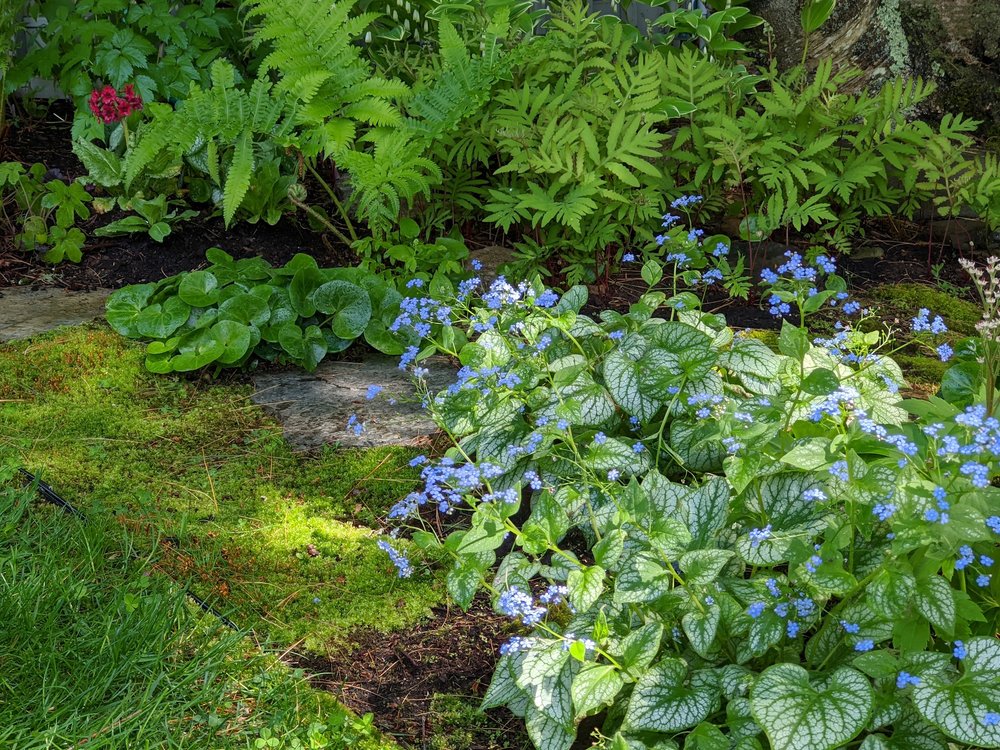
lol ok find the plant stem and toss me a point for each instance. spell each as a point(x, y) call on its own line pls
point(345, 217)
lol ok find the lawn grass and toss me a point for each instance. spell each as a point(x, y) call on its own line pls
point(101, 649)
point(196, 461)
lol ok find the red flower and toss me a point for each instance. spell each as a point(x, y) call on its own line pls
point(110, 107)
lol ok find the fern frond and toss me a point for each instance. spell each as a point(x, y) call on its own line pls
point(238, 177)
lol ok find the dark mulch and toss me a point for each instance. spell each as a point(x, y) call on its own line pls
point(117, 261)
point(396, 675)
point(112, 262)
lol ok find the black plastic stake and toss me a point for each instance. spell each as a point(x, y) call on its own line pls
point(51, 496)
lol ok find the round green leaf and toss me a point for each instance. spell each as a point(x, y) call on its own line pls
point(245, 308)
point(199, 288)
point(125, 305)
point(959, 706)
point(796, 713)
point(348, 304)
point(160, 320)
point(237, 338)
point(197, 349)
point(379, 337)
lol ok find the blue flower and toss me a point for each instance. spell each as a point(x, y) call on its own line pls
point(778, 308)
point(403, 567)
point(756, 609)
point(883, 511)
point(986, 561)
point(628, 257)
point(414, 283)
point(978, 474)
point(905, 678)
point(792, 628)
point(548, 298)
point(825, 264)
point(983, 580)
point(851, 307)
point(554, 595)
point(516, 644)
point(638, 447)
point(600, 438)
point(967, 558)
point(721, 249)
point(407, 357)
point(945, 352)
point(815, 494)
point(613, 475)
point(922, 323)
point(418, 460)
point(991, 718)
point(684, 201)
point(354, 425)
point(759, 535)
point(519, 605)
point(866, 644)
point(839, 470)
point(813, 563)
point(959, 651)
point(616, 335)
point(373, 391)
point(850, 627)
point(993, 523)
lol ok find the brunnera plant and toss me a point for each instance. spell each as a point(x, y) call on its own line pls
point(711, 543)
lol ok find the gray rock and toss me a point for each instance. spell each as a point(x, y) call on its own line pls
point(492, 257)
point(314, 408)
point(25, 312)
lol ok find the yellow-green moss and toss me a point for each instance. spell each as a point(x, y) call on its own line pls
point(197, 461)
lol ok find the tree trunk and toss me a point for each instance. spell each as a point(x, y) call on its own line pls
point(954, 42)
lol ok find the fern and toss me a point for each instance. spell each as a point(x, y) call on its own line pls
point(238, 177)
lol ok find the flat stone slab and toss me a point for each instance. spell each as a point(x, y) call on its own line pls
point(25, 312)
point(314, 408)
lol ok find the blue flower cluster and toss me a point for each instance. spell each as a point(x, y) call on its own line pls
point(801, 281)
point(403, 567)
point(445, 486)
point(519, 605)
point(793, 608)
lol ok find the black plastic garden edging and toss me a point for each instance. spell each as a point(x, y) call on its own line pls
point(50, 495)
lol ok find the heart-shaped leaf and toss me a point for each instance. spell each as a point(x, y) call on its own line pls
point(197, 349)
point(797, 713)
point(160, 320)
point(125, 305)
point(959, 706)
point(665, 700)
point(348, 304)
point(199, 288)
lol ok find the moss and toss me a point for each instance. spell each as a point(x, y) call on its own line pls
point(460, 725)
point(899, 303)
point(199, 462)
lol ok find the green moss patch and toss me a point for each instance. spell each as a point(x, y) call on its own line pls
point(282, 542)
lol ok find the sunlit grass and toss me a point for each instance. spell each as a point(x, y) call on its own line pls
point(197, 461)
